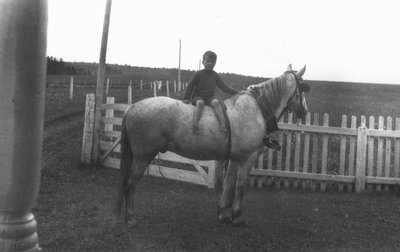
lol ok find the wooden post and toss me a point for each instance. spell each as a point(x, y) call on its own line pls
point(297, 154)
point(87, 139)
point(130, 93)
point(260, 166)
point(109, 114)
point(167, 83)
point(23, 40)
point(397, 152)
point(315, 149)
point(100, 83)
point(174, 86)
point(371, 146)
point(379, 159)
point(352, 147)
point(388, 150)
point(342, 159)
point(179, 67)
point(141, 85)
point(154, 84)
point(361, 156)
point(306, 148)
point(107, 86)
point(213, 166)
point(288, 150)
point(324, 154)
point(71, 88)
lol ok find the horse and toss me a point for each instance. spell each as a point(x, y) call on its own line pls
point(161, 124)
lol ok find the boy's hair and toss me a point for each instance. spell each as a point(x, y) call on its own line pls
point(210, 54)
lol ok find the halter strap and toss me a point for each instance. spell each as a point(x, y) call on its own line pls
point(303, 87)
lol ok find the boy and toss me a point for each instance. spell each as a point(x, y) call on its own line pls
point(201, 88)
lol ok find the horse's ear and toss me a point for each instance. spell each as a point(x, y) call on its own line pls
point(301, 72)
point(289, 67)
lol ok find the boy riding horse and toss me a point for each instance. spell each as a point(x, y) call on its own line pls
point(200, 92)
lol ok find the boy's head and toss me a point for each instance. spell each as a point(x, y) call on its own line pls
point(209, 60)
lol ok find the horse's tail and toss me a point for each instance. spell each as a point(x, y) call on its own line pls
point(126, 162)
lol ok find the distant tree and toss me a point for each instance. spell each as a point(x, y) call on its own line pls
point(58, 66)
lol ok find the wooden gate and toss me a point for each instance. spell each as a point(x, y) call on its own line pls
point(167, 165)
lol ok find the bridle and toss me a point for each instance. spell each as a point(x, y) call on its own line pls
point(301, 87)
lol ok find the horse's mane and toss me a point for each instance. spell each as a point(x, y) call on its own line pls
point(270, 92)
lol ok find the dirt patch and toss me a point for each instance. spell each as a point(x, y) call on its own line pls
point(74, 212)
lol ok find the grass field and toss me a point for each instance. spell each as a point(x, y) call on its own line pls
point(75, 203)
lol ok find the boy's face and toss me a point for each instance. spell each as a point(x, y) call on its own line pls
point(209, 63)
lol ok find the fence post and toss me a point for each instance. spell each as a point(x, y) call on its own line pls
point(154, 85)
point(174, 86)
point(167, 88)
point(130, 93)
point(361, 156)
point(109, 114)
point(71, 88)
point(108, 86)
point(87, 139)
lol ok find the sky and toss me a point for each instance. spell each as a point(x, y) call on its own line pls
point(338, 40)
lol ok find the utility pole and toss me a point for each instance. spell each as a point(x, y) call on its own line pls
point(179, 69)
point(100, 83)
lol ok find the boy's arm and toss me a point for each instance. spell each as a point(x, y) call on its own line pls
point(189, 88)
point(225, 88)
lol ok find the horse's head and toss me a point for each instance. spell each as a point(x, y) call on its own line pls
point(296, 102)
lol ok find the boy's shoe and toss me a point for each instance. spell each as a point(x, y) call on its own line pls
point(271, 143)
point(196, 129)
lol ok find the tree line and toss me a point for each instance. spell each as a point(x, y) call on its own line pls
point(59, 67)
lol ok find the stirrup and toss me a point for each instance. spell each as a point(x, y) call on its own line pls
point(272, 143)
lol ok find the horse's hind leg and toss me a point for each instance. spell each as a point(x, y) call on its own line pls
point(241, 184)
point(228, 193)
point(138, 168)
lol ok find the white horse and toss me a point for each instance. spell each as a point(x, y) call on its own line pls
point(162, 124)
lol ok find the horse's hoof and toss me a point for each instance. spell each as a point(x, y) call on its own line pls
point(132, 223)
point(240, 222)
point(225, 220)
point(196, 130)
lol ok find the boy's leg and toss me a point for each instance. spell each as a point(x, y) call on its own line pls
point(197, 115)
point(220, 114)
point(271, 141)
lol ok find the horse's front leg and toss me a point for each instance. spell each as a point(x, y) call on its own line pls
point(242, 181)
point(225, 203)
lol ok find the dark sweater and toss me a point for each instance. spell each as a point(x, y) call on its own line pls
point(203, 84)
